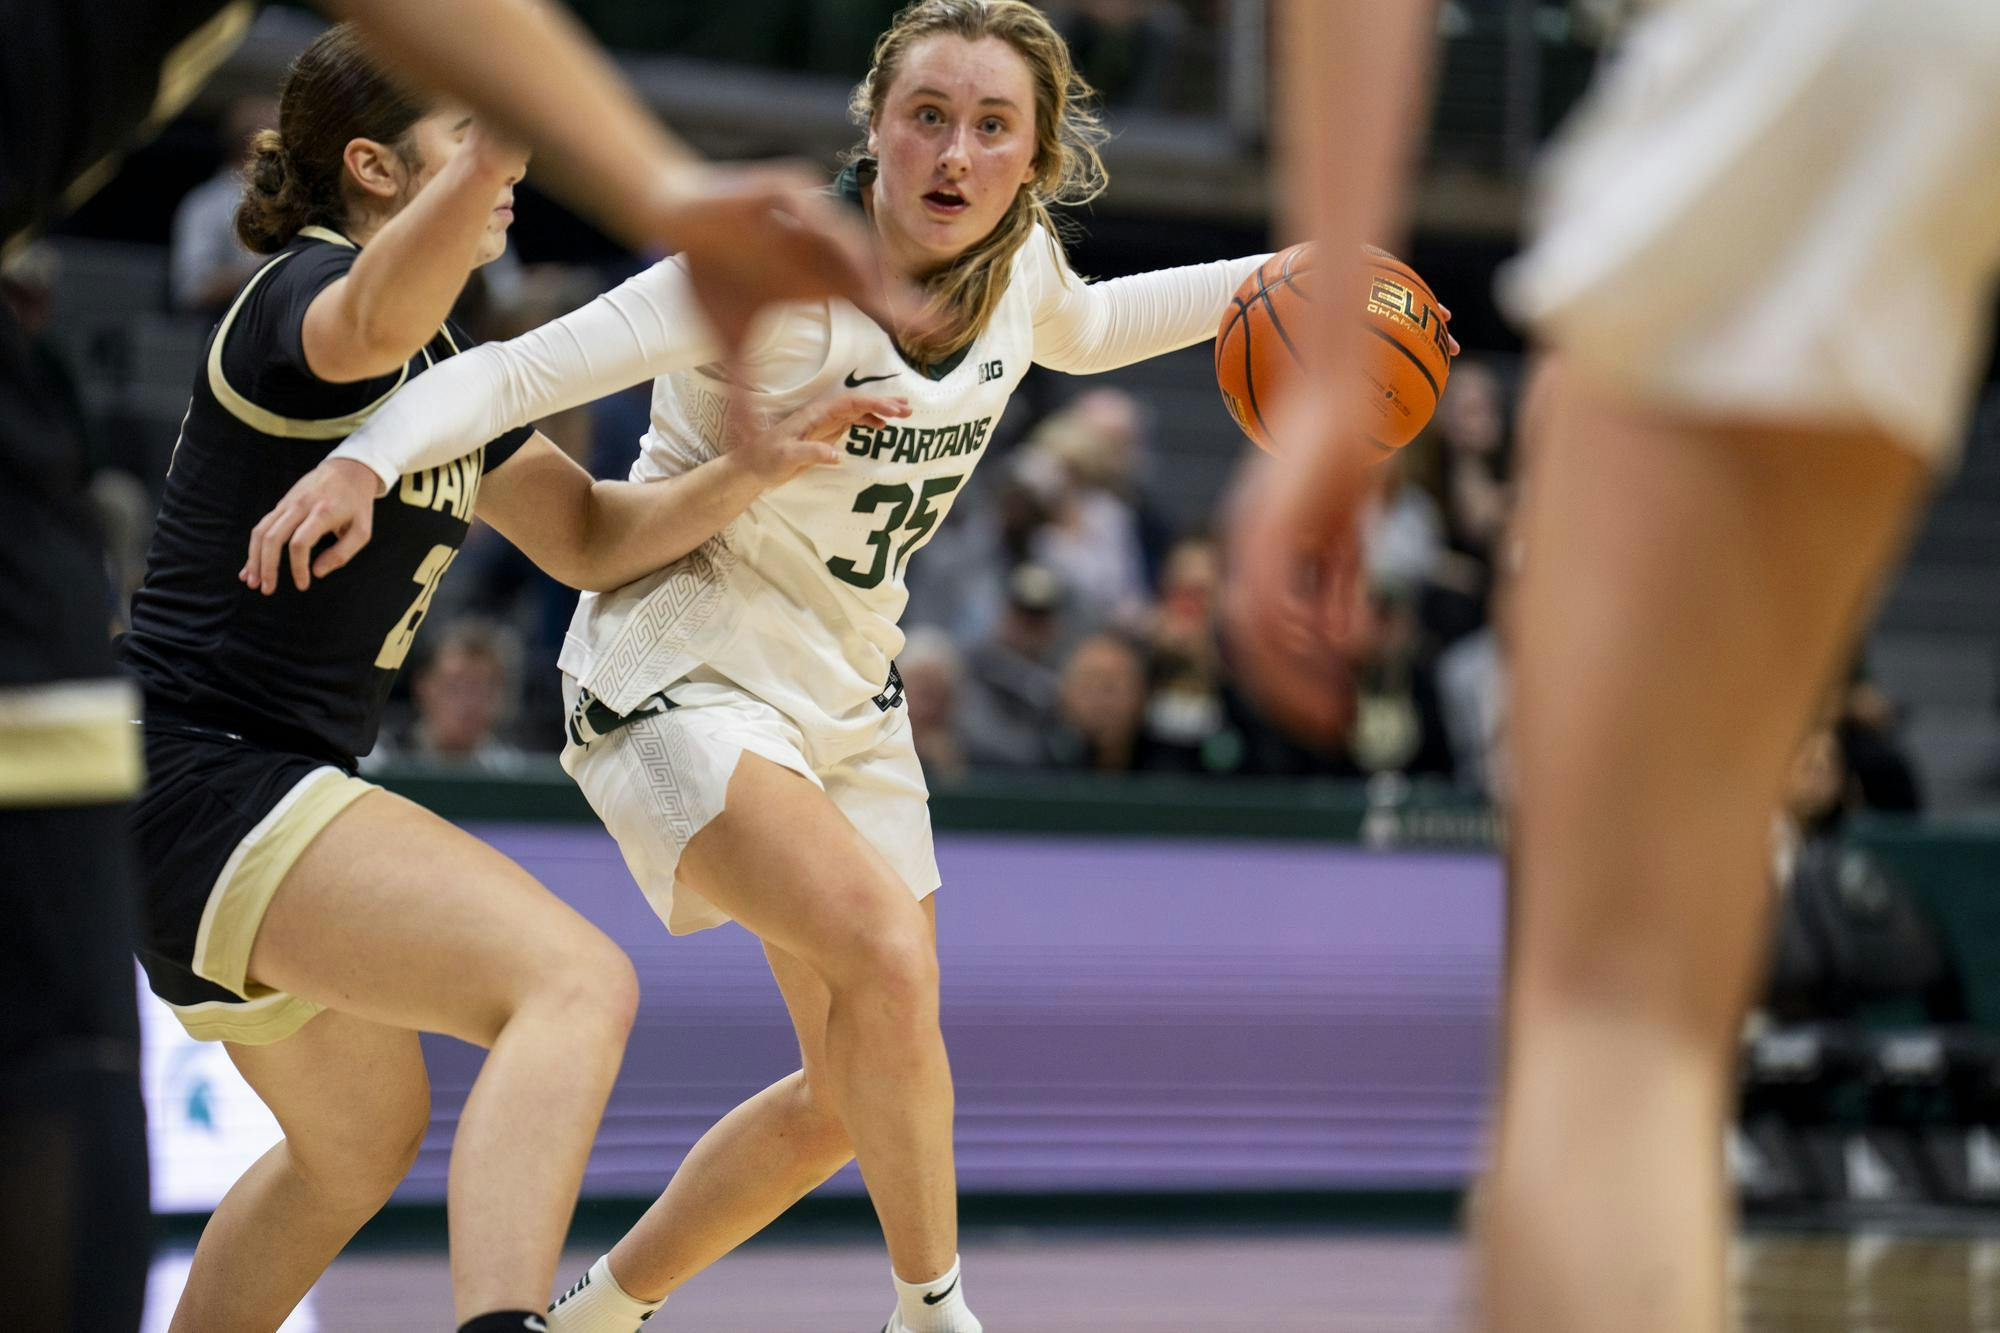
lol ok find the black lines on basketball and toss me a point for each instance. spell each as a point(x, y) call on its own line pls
point(1413, 359)
point(1278, 325)
point(1249, 366)
point(1290, 283)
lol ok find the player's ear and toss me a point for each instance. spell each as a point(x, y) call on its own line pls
point(873, 150)
point(373, 167)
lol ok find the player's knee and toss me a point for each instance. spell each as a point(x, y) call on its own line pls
point(404, 1139)
point(615, 988)
point(592, 982)
point(358, 1173)
point(896, 963)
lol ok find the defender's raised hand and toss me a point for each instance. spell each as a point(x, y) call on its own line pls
point(336, 497)
point(810, 437)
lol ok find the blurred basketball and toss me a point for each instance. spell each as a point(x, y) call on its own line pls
point(1403, 367)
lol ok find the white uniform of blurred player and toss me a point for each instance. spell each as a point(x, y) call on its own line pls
point(735, 718)
point(1783, 211)
point(1764, 268)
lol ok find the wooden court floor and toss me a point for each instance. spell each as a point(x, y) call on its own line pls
point(1059, 1281)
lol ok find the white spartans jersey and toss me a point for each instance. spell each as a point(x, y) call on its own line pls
point(797, 600)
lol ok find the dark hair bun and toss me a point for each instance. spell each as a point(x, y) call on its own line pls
point(273, 207)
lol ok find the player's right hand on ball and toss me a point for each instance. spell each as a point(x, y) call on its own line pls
point(810, 437)
point(1295, 608)
point(337, 497)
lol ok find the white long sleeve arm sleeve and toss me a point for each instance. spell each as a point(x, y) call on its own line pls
point(1086, 327)
point(649, 325)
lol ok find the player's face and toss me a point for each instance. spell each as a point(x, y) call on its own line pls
point(955, 142)
point(438, 138)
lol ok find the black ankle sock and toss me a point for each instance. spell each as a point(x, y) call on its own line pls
point(505, 1321)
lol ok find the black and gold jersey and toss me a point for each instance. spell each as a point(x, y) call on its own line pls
point(303, 671)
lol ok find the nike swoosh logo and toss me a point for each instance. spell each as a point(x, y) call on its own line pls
point(535, 1325)
point(933, 1297)
point(855, 381)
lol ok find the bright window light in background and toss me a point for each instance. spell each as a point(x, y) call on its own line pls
point(204, 1126)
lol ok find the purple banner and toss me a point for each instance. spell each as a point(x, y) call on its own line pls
point(1123, 1015)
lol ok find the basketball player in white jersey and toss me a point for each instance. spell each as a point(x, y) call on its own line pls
point(1765, 265)
point(736, 718)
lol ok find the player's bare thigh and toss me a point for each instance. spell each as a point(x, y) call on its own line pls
point(397, 916)
point(786, 863)
point(1686, 590)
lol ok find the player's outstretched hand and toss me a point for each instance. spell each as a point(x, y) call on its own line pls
point(1295, 608)
point(810, 437)
point(755, 235)
point(337, 497)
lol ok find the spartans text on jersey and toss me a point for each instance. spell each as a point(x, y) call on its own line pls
point(912, 444)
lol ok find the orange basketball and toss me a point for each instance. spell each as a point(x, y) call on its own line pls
point(1403, 369)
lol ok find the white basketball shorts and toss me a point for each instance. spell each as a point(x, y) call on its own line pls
point(1783, 210)
point(659, 780)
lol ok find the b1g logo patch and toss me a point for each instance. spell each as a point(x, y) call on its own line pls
point(991, 370)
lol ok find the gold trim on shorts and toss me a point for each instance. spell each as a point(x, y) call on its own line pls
point(72, 743)
point(258, 1022)
point(236, 907)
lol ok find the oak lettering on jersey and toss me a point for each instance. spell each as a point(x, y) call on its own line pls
point(452, 486)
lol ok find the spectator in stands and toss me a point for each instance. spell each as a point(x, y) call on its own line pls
point(124, 510)
point(1817, 799)
point(1404, 533)
point(1879, 768)
point(1849, 934)
point(1187, 715)
point(1081, 457)
point(1092, 537)
point(1460, 606)
point(1399, 725)
point(961, 584)
point(1472, 691)
point(29, 278)
point(1103, 707)
point(1472, 426)
point(1196, 721)
point(1851, 762)
point(1010, 700)
point(208, 262)
point(931, 669)
point(463, 694)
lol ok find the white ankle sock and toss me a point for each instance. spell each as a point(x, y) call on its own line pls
point(937, 1306)
point(597, 1304)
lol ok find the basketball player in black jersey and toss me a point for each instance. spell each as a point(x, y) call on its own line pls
point(309, 920)
point(77, 88)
